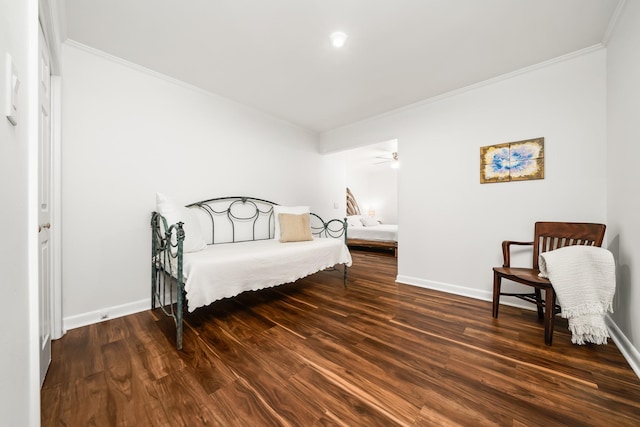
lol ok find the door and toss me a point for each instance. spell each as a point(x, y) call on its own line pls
point(44, 206)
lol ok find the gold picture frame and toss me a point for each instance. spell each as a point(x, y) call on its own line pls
point(512, 161)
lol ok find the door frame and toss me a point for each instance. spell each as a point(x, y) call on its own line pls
point(47, 14)
point(45, 217)
point(56, 208)
point(49, 17)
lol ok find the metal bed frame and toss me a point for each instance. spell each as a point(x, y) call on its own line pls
point(244, 218)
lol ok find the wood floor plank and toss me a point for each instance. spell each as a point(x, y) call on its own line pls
point(317, 353)
point(185, 402)
point(341, 407)
point(357, 377)
point(84, 402)
point(242, 405)
point(81, 348)
point(130, 384)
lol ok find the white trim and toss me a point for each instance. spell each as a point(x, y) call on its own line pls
point(106, 313)
point(463, 291)
point(116, 59)
point(624, 345)
point(627, 349)
point(56, 206)
point(459, 91)
point(30, 122)
point(613, 22)
point(181, 83)
point(49, 15)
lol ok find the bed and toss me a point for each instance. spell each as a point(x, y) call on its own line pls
point(374, 235)
point(368, 232)
point(219, 248)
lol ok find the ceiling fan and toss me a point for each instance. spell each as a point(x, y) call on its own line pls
point(393, 158)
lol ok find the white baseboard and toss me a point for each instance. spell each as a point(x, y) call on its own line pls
point(107, 313)
point(625, 346)
point(463, 291)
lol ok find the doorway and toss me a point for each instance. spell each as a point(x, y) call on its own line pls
point(372, 177)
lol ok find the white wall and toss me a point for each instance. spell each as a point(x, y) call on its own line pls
point(452, 225)
point(19, 386)
point(623, 173)
point(129, 133)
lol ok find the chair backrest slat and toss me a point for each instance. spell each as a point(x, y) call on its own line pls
point(555, 235)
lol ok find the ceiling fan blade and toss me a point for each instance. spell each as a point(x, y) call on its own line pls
point(389, 157)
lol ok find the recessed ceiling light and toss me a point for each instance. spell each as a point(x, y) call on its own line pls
point(338, 38)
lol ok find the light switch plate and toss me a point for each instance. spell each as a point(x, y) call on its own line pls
point(13, 84)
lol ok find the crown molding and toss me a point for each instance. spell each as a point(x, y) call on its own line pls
point(112, 58)
point(183, 84)
point(472, 87)
point(613, 22)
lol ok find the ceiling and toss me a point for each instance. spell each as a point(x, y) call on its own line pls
point(276, 55)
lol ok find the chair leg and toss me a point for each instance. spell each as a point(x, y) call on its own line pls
point(496, 293)
point(549, 314)
point(539, 303)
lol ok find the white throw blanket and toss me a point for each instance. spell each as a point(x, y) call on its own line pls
point(584, 280)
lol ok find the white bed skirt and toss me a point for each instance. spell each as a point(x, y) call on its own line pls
point(381, 233)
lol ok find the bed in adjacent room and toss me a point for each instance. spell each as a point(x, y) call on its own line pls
point(374, 235)
point(368, 232)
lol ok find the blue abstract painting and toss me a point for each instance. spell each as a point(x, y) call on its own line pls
point(512, 161)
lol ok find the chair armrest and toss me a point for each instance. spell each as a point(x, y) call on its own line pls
point(506, 250)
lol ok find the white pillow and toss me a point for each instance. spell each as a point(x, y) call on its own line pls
point(173, 213)
point(368, 221)
point(287, 210)
point(354, 220)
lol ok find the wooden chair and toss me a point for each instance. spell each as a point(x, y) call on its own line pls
point(548, 236)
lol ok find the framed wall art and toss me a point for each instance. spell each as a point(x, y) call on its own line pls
point(512, 161)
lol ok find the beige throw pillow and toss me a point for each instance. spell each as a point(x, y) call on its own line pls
point(277, 210)
point(294, 228)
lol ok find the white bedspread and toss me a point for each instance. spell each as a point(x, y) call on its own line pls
point(584, 279)
point(382, 232)
point(226, 270)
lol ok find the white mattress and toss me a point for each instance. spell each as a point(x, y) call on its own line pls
point(226, 270)
point(381, 233)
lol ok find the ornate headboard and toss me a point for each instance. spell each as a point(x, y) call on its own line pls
point(352, 205)
point(241, 218)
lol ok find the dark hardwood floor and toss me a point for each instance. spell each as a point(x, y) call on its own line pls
point(315, 353)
